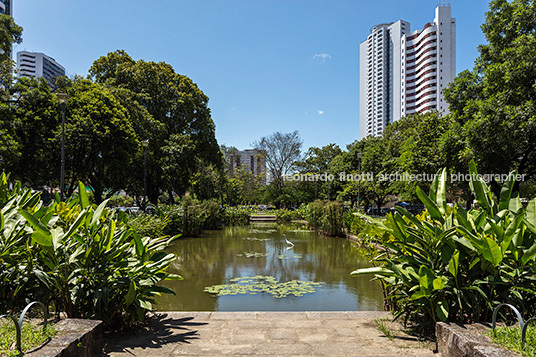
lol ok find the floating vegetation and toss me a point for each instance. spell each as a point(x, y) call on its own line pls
point(264, 284)
point(257, 239)
point(300, 230)
point(252, 255)
point(263, 231)
point(295, 256)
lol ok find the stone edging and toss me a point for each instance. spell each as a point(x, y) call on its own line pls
point(455, 340)
point(75, 337)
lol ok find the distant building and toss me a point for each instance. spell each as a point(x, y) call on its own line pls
point(35, 64)
point(252, 160)
point(403, 72)
point(6, 7)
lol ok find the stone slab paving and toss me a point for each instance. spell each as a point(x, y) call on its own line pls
point(261, 334)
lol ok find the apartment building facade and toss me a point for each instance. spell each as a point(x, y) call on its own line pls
point(35, 64)
point(404, 72)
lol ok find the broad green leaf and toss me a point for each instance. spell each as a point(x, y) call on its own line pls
point(373, 270)
point(79, 220)
point(442, 310)
point(131, 294)
point(84, 199)
point(144, 304)
point(515, 203)
point(438, 284)
point(434, 187)
point(44, 237)
point(426, 278)
point(453, 263)
point(506, 191)
point(419, 295)
point(530, 214)
point(529, 254)
point(479, 188)
point(441, 198)
point(491, 251)
point(430, 206)
point(98, 212)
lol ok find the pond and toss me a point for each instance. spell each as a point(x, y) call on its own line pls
point(268, 274)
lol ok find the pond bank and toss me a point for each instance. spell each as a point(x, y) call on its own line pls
point(339, 333)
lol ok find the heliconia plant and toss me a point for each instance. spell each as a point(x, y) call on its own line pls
point(78, 256)
point(449, 264)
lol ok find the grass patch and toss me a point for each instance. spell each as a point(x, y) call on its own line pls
point(382, 326)
point(32, 336)
point(510, 338)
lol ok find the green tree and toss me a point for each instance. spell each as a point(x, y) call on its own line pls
point(10, 33)
point(32, 117)
point(317, 161)
point(176, 104)
point(99, 139)
point(494, 104)
point(281, 151)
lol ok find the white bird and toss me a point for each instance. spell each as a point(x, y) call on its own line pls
point(288, 242)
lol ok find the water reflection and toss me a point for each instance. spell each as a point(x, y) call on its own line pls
point(219, 256)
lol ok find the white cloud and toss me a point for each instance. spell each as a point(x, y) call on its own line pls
point(322, 57)
point(320, 112)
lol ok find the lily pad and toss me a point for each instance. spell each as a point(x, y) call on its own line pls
point(252, 254)
point(264, 284)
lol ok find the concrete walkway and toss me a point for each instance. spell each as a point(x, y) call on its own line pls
point(264, 334)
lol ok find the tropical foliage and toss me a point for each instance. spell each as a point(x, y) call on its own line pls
point(78, 257)
point(450, 264)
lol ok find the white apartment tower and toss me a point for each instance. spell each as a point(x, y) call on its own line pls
point(35, 64)
point(6, 7)
point(404, 72)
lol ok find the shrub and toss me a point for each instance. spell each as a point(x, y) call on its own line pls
point(77, 256)
point(232, 216)
point(332, 220)
point(353, 222)
point(326, 217)
point(283, 215)
point(451, 264)
point(120, 201)
point(315, 213)
point(148, 225)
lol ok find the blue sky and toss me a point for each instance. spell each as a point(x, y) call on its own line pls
point(266, 65)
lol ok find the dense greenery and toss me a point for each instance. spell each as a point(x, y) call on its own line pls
point(457, 265)
point(326, 217)
point(78, 257)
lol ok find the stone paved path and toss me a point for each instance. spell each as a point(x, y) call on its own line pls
point(262, 334)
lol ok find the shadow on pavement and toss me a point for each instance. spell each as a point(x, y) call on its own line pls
point(159, 331)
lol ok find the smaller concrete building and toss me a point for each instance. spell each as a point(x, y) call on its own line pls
point(36, 64)
point(252, 160)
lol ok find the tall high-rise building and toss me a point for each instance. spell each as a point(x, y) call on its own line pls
point(35, 64)
point(404, 72)
point(6, 7)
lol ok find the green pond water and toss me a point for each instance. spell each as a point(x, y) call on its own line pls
point(250, 269)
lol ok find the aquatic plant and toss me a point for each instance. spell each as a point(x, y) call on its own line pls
point(264, 284)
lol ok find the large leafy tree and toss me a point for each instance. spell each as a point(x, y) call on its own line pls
point(34, 114)
point(100, 141)
point(317, 161)
point(179, 108)
point(495, 103)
